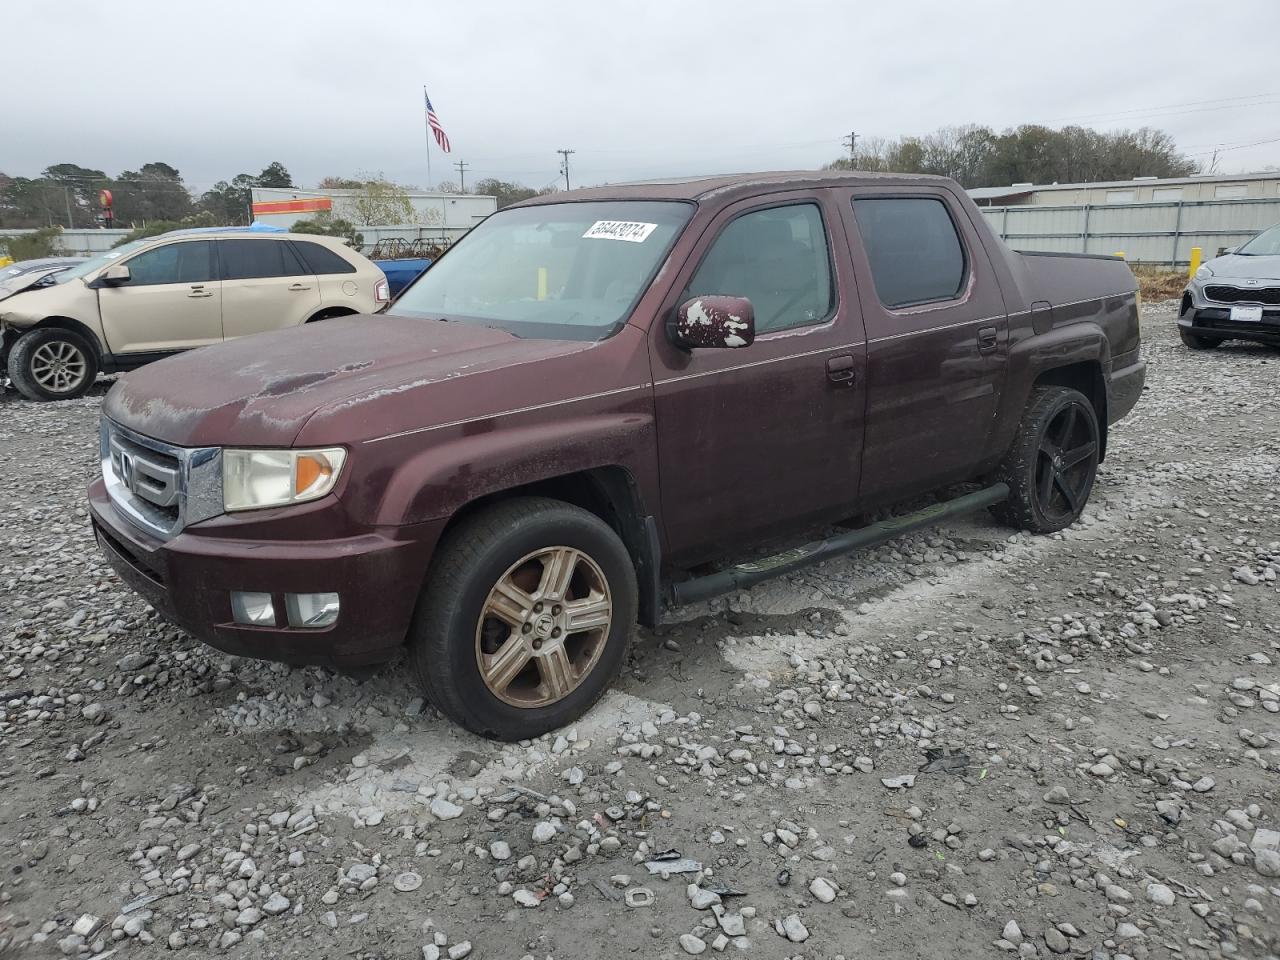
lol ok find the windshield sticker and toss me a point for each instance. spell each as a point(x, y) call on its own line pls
point(627, 230)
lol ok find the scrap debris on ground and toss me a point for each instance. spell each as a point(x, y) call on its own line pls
point(967, 742)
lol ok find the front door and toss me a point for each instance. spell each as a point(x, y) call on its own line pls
point(937, 339)
point(171, 301)
point(757, 439)
point(265, 286)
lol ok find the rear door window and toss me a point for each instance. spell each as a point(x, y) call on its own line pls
point(915, 252)
point(189, 261)
point(320, 259)
point(259, 259)
point(778, 259)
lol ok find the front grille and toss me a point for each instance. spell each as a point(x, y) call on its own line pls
point(1223, 294)
point(160, 487)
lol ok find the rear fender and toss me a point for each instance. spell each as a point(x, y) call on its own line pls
point(1082, 342)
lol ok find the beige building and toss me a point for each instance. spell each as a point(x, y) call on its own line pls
point(1245, 186)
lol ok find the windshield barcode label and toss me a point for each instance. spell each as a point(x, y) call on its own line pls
point(627, 230)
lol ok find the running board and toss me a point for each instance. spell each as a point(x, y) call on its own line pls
point(748, 574)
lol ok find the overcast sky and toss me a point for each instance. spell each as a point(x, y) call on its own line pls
point(637, 89)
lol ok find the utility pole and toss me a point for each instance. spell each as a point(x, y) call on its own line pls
point(564, 166)
point(462, 175)
point(851, 142)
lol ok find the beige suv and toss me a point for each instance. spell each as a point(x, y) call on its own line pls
point(155, 297)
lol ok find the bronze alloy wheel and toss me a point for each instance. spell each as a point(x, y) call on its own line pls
point(59, 366)
point(543, 626)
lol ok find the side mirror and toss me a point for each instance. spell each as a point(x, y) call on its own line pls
point(714, 322)
point(115, 274)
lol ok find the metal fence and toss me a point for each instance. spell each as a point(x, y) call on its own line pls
point(1144, 232)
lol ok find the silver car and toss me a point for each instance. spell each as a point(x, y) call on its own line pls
point(1235, 296)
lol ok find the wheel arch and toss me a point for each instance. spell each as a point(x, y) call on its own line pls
point(1087, 377)
point(328, 313)
point(611, 493)
point(75, 326)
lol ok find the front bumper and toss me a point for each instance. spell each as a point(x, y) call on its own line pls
point(189, 578)
point(1216, 323)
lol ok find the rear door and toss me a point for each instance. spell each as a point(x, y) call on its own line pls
point(937, 338)
point(265, 286)
point(339, 283)
point(756, 439)
point(172, 301)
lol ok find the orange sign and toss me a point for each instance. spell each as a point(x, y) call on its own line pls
point(308, 205)
point(104, 199)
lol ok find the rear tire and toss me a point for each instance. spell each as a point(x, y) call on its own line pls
point(1198, 343)
point(52, 363)
point(525, 618)
point(1051, 466)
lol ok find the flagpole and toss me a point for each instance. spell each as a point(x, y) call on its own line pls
point(426, 129)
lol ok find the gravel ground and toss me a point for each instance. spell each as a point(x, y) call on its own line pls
point(967, 742)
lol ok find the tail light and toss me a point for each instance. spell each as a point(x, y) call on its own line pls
point(382, 291)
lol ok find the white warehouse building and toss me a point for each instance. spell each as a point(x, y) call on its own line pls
point(436, 216)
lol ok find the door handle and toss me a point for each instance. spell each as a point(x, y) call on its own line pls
point(840, 369)
point(988, 339)
point(298, 286)
point(197, 292)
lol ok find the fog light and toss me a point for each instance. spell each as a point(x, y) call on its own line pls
point(252, 608)
point(311, 609)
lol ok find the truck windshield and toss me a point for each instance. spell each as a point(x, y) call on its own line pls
point(564, 271)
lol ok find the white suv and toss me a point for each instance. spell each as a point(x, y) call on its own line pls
point(155, 297)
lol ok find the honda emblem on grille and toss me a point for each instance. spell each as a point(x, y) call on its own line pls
point(1252, 283)
point(128, 472)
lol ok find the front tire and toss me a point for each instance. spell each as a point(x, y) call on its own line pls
point(52, 363)
point(1198, 343)
point(525, 618)
point(1051, 466)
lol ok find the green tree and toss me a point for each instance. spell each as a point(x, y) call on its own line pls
point(1032, 153)
point(339, 183)
point(231, 203)
point(80, 190)
point(45, 242)
point(379, 202)
point(507, 193)
point(327, 225)
point(153, 228)
point(153, 192)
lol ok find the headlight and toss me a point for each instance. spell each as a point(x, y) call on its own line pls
point(252, 479)
point(1204, 272)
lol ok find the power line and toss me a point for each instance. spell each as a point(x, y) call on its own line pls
point(564, 167)
point(1166, 106)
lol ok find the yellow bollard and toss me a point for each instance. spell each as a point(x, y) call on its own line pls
point(1195, 261)
point(1119, 253)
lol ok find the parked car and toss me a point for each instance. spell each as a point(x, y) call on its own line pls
point(27, 273)
point(162, 295)
point(590, 395)
point(1235, 297)
point(403, 261)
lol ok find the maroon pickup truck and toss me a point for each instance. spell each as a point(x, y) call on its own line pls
point(590, 397)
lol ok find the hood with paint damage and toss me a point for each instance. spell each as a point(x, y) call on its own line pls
point(337, 382)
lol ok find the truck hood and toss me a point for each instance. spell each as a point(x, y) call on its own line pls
point(262, 390)
point(1235, 267)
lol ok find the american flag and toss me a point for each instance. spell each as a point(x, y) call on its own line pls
point(434, 123)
